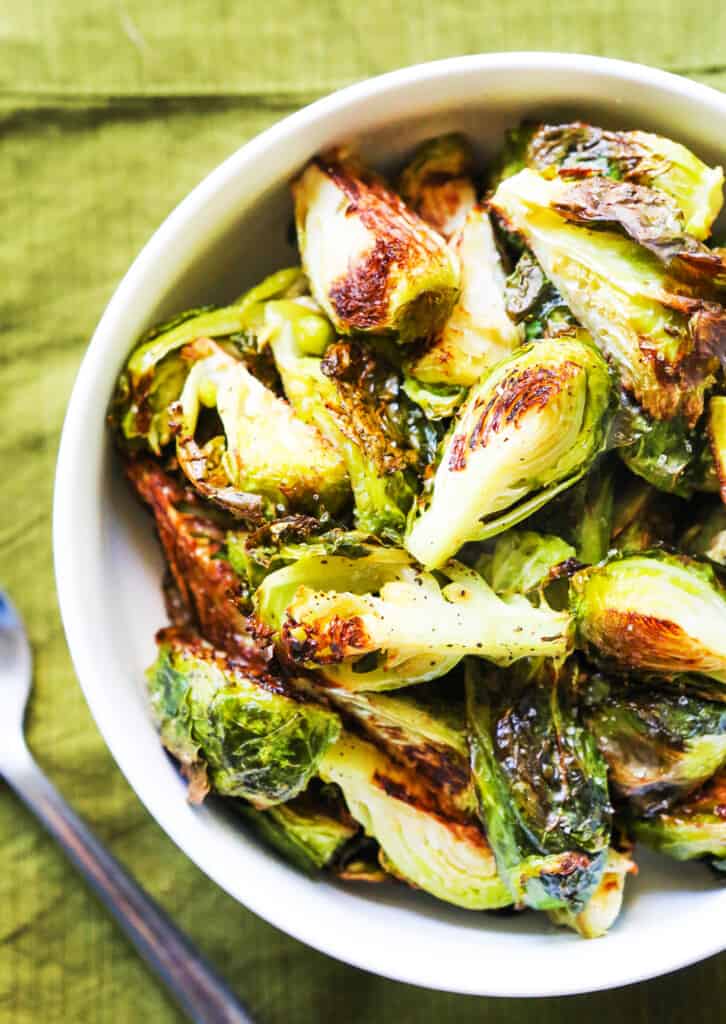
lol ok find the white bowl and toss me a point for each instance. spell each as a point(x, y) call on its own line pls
point(227, 235)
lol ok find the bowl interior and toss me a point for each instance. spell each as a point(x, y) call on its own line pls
point(226, 236)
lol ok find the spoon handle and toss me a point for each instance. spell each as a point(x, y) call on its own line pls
point(200, 993)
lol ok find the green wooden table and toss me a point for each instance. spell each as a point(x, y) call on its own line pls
point(110, 111)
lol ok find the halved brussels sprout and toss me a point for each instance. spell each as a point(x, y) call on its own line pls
point(694, 829)
point(531, 428)
point(601, 910)
point(311, 830)
point(577, 150)
point(717, 437)
point(664, 341)
point(354, 397)
point(523, 561)
point(194, 538)
point(233, 725)
point(373, 265)
point(266, 460)
point(424, 731)
point(407, 627)
point(652, 612)
point(438, 184)
point(479, 333)
point(447, 857)
point(541, 784)
point(659, 745)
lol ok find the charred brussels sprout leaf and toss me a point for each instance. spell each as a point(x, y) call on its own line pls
point(478, 333)
point(373, 265)
point(354, 397)
point(652, 613)
point(659, 745)
point(529, 429)
point(650, 218)
point(445, 856)
point(578, 150)
point(438, 184)
point(195, 540)
point(266, 460)
point(694, 829)
point(601, 910)
point(541, 785)
point(310, 831)
point(664, 340)
point(408, 627)
point(257, 738)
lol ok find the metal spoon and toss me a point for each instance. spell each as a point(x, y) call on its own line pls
point(202, 995)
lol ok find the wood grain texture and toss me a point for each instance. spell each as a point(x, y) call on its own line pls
point(110, 111)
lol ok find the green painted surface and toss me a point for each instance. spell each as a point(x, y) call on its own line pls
point(109, 113)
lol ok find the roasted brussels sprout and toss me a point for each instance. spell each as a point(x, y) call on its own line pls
point(354, 397)
point(694, 829)
point(580, 150)
point(448, 857)
point(373, 265)
point(311, 830)
point(652, 613)
point(438, 184)
point(622, 295)
point(232, 725)
point(194, 538)
point(255, 472)
point(478, 333)
point(424, 731)
point(659, 745)
point(402, 628)
point(531, 428)
point(601, 910)
point(523, 561)
point(541, 784)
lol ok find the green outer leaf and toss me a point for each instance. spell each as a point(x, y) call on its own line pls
point(535, 859)
point(258, 741)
